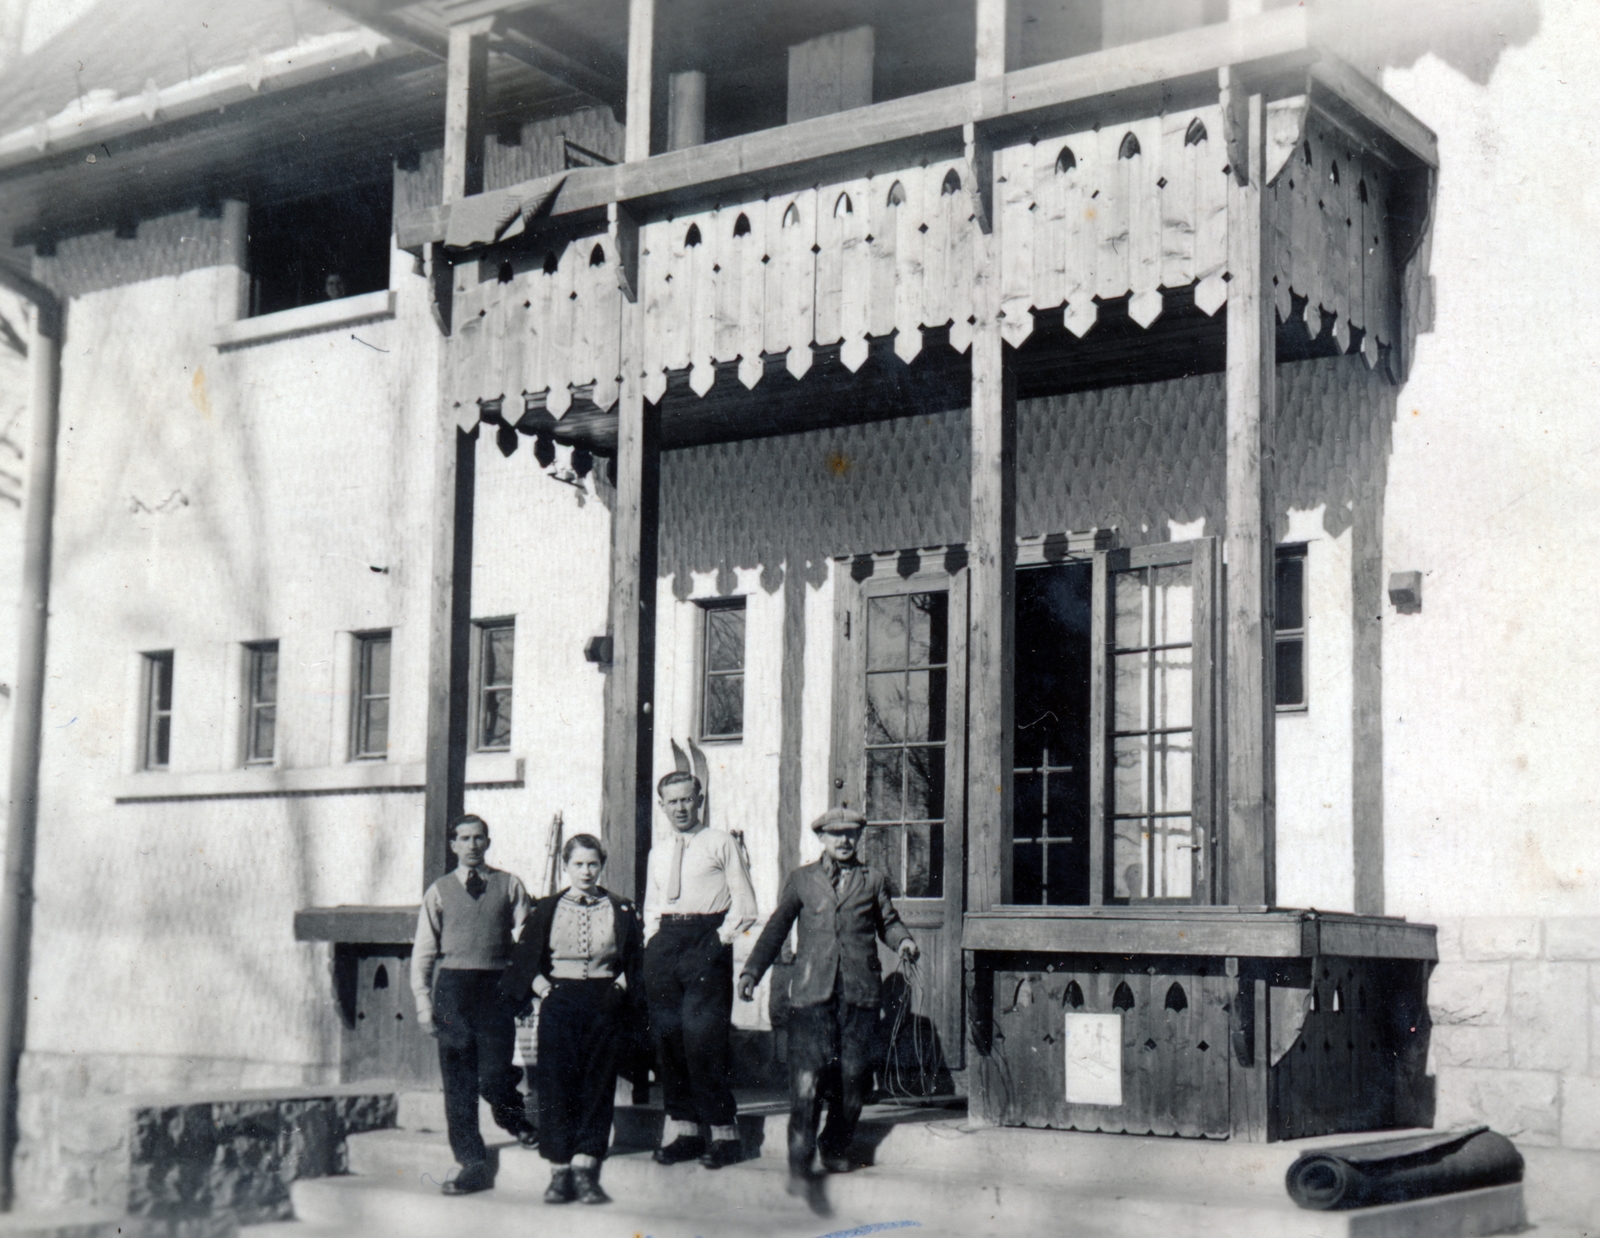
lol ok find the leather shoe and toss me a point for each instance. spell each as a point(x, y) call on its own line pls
point(837, 1164)
point(587, 1182)
point(528, 1137)
point(683, 1148)
point(471, 1179)
point(722, 1152)
point(561, 1189)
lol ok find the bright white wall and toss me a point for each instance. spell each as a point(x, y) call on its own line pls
point(1491, 780)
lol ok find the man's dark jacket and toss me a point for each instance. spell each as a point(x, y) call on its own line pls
point(530, 956)
point(838, 934)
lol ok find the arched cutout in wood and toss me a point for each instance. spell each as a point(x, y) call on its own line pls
point(897, 194)
point(951, 184)
point(1066, 160)
point(1073, 996)
point(1177, 999)
point(597, 256)
point(842, 206)
point(741, 226)
point(1122, 999)
point(691, 238)
point(1195, 133)
point(380, 978)
point(791, 217)
point(506, 273)
point(1129, 147)
point(552, 263)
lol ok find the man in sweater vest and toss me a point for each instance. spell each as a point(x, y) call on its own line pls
point(464, 934)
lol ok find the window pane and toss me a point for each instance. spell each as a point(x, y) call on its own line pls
point(925, 713)
point(1130, 706)
point(1173, 858)
point(1067, 806)
point(1028, 813)
point(494, 729)
point(263, 733)
point(1127, 860)
point(1067, 879)
point(1173, 599)
point(375, 727)
point(886, 707)
point(497, 653)
point(375, 665)
point(1152, 773)
point(724, 715)
point(1130, 774)
point(880, 849)
point(725, 639)
point(1027, 873)
point(1174, 688)
point(1291, 591)
point(161, 680)
point(930, 637)
point(924, 861)
point(1291, 680)
point(924, 784)
point(161, 741)
point(883, 785)
point(886, 632)
point(265, 689)
point(1128, 590)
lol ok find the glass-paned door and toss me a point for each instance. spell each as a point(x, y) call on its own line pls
point(898, 745)
point(1152, 710)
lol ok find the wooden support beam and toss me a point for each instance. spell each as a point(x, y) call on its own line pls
point(1250, 706)
point(449, 639)
point(630, 688)
point(466, 106)
point(641, 66)
point(991, 49)
point(991, 546)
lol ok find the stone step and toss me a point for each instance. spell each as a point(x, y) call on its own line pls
point(62, 1223)
point(1192, 1198)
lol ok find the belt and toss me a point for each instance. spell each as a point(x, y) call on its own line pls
point(704, 918)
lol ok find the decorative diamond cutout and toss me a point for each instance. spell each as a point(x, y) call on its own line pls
point(1149, 1044)
point(1202, 1046)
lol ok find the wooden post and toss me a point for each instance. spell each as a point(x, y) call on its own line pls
point(992, 548)
point(991, 38)
point(1251, 416)
point(449, 641)
point(641, 56)
point(465, 108)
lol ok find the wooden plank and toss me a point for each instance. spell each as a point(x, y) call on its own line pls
point(1211, 217)
point(1367, 591)
point(909, 264)
point(791, 278)
point(883, 248)
point(466, 101)
point(991, 546)
point(641, 56)
point(1115, 178)
point(1144, 221)
point(1100, 633)
point(1178, 158)
point(1353, 89)
point(1187, 61)
point(630, 686)
point(991, 38)
point(1015, 201)
point(1341, 230)
point(698, 294)
point(1206, 678)
point(1082, 189)
point(1248, 1080)
point(1241, 935)
point(1251, 414)
point(1051, 226)
point(449, 637)
point(362, 925)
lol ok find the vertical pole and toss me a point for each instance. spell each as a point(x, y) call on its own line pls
point(991, 537)
point(16, 890)
point(641, 54)
point(449, 643)
point(465, 108)
point(1251, 417)
point(1366, 775)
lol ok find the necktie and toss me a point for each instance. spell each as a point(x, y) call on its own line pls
point(476, 885)
point(675, 873)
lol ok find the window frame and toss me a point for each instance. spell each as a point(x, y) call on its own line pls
point(482, 629)
point(254, 704)
point(361, 696)
point(1282, 635)
point(152, 713)
point(705, 673)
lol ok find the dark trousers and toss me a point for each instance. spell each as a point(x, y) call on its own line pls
point(830, 1062)
point(688, 980)
point(477, 1035)
point(582, 1026)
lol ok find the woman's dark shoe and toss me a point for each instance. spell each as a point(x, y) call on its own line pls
point(683, 1148)
point(722, 1152)
point(561, 1189)
point(471, 1179)
point(587, 1182)
point(837, 1164)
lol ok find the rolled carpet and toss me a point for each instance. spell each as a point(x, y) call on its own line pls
point(1391, 1171)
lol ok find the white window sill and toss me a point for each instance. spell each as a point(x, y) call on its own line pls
point(484, 769)
point(322, 316)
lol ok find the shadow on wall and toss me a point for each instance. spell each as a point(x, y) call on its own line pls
point(1468, 35)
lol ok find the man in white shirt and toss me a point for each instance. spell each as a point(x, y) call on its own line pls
point(698, 898)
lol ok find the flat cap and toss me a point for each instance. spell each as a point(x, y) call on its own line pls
point(838, 821)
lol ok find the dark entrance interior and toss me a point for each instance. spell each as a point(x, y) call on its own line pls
point(1051, 794)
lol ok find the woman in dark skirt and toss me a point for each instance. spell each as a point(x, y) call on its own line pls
point(581, 951)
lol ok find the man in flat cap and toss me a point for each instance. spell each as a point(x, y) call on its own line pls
point(843, 907)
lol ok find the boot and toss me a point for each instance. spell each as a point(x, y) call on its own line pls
point(561, 1189)
point(587, 1184)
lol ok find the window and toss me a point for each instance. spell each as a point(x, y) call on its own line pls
point(157, 710)
point(1291, 627)
point(320, 249)
point(371, 740)
point(495, 647)
point(722, 657)
point(261, 695)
